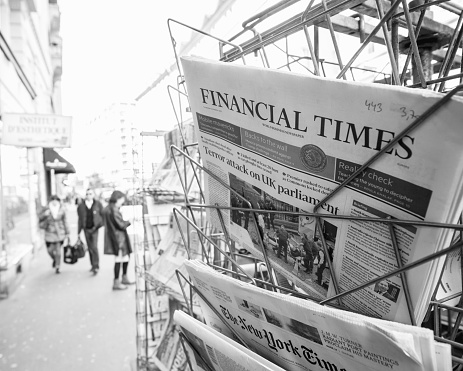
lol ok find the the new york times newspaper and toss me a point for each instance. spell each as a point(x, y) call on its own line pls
point(219, 352)
point(298, 334)
point(284, 141)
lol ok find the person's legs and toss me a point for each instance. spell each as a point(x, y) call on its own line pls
point(92, 244)
point(117, 270)
point(51, 251)
point(280, 245)
point(125, 265)
point(310, 266)
point(285, 251)
point(89, 239)
point(55, 249)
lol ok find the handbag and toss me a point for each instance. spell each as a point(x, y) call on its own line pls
point(70, 256)
point(79, 248)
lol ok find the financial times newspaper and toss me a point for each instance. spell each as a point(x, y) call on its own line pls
point(216, 350)
point(284, 141)
point(298, 334)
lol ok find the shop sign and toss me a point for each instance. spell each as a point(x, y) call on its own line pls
point(36, 130)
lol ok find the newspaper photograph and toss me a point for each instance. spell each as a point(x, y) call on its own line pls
point(285, 141)
point(219, 352)
point(298, 334)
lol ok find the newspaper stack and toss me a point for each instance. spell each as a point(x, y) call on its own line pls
point(297, 334)
point(220, 353)
point(285, 141)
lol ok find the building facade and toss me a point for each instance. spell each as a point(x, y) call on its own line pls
point(115, 146)
point(30, 82)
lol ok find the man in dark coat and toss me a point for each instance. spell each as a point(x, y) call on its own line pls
point(90, 219)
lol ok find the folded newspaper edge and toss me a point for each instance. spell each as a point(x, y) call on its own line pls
point(288, 139)
point(299, 334)
point(218, 349)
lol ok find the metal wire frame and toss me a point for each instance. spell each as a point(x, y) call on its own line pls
point(183, 340)
point(222, 41)
point(391, 223)
point(313, 16)
point(197, 292)
point(413, 126)
point(262, 41)
point(234, 270)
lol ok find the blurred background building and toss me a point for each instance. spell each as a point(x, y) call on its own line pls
point(30, 82)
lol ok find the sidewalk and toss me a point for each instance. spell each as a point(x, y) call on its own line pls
point(71, 321)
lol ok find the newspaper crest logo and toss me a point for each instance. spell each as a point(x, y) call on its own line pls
point(313, 158)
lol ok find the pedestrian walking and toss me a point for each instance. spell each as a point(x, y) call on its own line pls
point(245, 205)
point(308, 247)
point(53, 221)
point(283, 242)
point(271, 216)
point(321, 264)
point(116, 240)
point(90, 220)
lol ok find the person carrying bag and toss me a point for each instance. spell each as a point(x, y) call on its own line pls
point(53, 221)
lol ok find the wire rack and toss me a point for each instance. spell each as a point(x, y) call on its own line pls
point(414, 45)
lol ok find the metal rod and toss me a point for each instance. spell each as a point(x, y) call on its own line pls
point(395, 272)
point(431, 110)
point(183, 340)
point(333, 38)
point(287, 29)
point(453, 53)
point(410, 50)
point(390, 51)
point(403, 276)
point(450, 48)
point(403, 222)
point(190, 309)
point(416, 51)
point(373, 33)
point(176, 211)
point(216, 312)
point(430, 82)
point(312, 52)
point(318, 226)
point(170, 20)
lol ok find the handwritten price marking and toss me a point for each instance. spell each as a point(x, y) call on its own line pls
point(372, 106)
point(409, 114)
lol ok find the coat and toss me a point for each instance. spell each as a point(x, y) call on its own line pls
point(57, 229)
point(116, 237)
point(97, 210)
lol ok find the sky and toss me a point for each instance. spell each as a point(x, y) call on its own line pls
point(114, 49)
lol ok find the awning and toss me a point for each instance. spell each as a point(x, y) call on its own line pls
point(53, 161)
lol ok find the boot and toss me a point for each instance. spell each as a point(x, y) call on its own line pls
point(126, 281)
point(118, 285)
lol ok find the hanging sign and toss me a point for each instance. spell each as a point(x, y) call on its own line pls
point(36, 130)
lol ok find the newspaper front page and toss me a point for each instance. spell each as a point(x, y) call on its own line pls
point(220, 352)
point(284, 141)
point(298, 334)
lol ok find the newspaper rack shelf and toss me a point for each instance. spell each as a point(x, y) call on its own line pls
point(221, 253)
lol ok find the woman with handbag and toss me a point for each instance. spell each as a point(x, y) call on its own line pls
point(116, 241)
point(53, 221)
